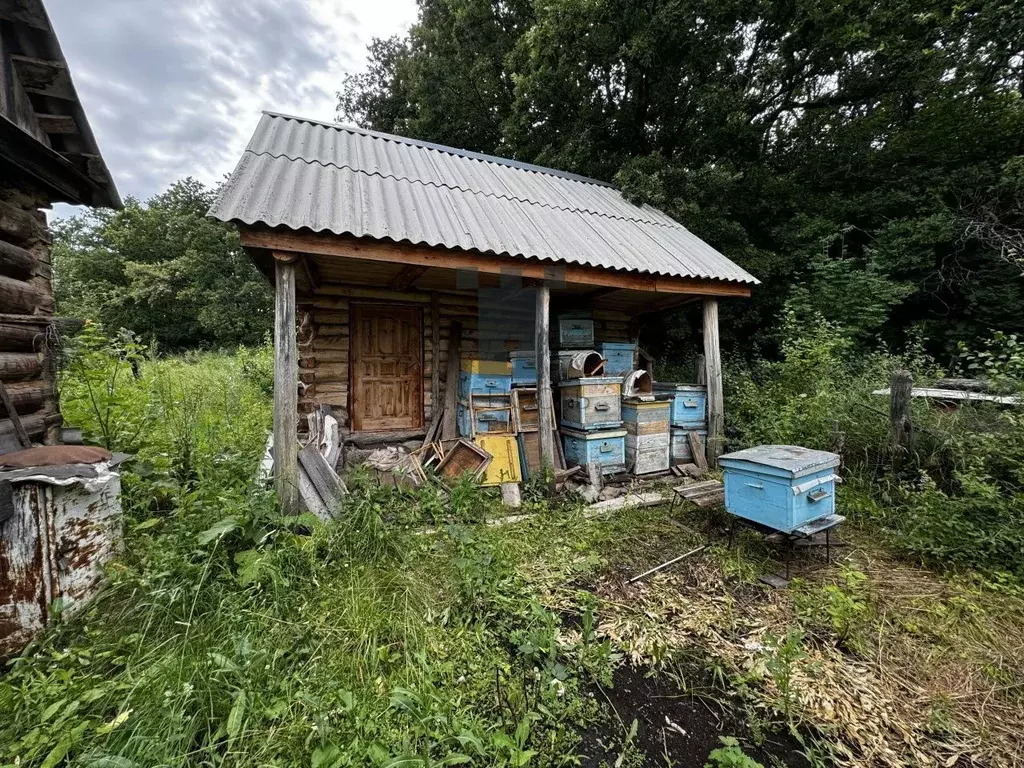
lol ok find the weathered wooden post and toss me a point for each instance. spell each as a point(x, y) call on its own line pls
point(902, 431)
point(286, 385)
point(713, 373)
point(545, 408)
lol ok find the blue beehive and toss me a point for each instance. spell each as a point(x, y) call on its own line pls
point(524, 368)
point(618, 357)
point(607, 448)
point(483, 384)
point(782, 487)
point(689, 403)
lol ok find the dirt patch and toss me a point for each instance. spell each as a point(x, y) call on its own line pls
point(674, 727)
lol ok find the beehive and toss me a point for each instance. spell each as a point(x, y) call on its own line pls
point(689, 403)
point(524, 368)
point(575, 331)
point(606, 448)
point(591, 403)
point(782, 487)
point(619, 357)
point(484, 377)
point(647, 434)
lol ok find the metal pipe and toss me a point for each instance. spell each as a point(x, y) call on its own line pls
point(673, 561)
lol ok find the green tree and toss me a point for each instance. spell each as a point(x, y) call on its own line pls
point(862, 159)
point(163, 270)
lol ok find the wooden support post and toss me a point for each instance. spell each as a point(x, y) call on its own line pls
point(545, 408)
point(702, 371)
point(713, 368)
point(450, 425)
point(435, 356)
point(286, 386)
point(899, 413)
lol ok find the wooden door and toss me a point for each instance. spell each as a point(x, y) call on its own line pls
point(386, 367)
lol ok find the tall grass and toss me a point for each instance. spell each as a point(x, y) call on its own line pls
point(228, 635)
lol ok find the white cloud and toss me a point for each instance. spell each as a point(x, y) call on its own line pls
point(174, 89)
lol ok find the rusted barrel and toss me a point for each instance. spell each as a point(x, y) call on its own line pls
point(580, 365)
point(637, 384)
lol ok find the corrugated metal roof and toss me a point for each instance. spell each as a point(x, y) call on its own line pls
point(299, 173)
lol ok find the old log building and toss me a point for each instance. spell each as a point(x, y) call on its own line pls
point(47, 155)
point(59, 505)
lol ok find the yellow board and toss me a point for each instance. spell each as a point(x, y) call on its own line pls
point(488, 367)
point(504, 467)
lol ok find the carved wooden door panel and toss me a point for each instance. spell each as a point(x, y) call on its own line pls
point(386, 367)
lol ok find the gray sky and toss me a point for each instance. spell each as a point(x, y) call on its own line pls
point(174, 88)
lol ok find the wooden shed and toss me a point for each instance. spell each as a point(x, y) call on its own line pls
point(388, 253)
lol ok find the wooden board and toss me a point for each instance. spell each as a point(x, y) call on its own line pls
point(387, 367)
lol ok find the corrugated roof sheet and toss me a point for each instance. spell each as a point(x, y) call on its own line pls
point(299, 173)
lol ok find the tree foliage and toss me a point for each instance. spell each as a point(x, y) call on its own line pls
point(163, 270)
point(862, 159)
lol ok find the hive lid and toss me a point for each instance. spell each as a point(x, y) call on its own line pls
point(648, 400)
point(590, 380)
point(671, 386)
point(792, 459)
point(597, 434)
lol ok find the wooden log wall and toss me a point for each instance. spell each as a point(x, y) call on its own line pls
point(324, 337)
point(26, 315)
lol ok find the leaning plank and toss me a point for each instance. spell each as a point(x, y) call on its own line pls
point(309, 497)
point(327, 484)
point(12, 413)
point(697, 451)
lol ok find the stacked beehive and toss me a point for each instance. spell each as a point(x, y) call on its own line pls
point(485, 416)
point(646, 417)
point(590, 400)
point(689, 414)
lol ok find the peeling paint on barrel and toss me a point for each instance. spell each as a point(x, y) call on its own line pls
point(54, 547)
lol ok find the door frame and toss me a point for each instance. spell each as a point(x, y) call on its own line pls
point(353, 307)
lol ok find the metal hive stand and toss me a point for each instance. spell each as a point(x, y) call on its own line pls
point(805, 533)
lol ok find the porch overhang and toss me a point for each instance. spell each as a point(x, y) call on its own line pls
point(339, 259)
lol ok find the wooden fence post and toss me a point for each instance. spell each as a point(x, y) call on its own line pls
point(286, 386)
point(902, 430)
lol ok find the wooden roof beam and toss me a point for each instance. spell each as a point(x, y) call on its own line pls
point(408, 276)
point(62, 124)
point(44, 77)
point(397, 253)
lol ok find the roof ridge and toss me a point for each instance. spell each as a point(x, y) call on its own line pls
point(466, 190)
point(455, 151)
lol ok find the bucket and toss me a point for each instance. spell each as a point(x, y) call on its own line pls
point(580, 365)
point(637, 384)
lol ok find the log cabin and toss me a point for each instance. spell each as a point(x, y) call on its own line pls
point(48, 155)
point(393, 258)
